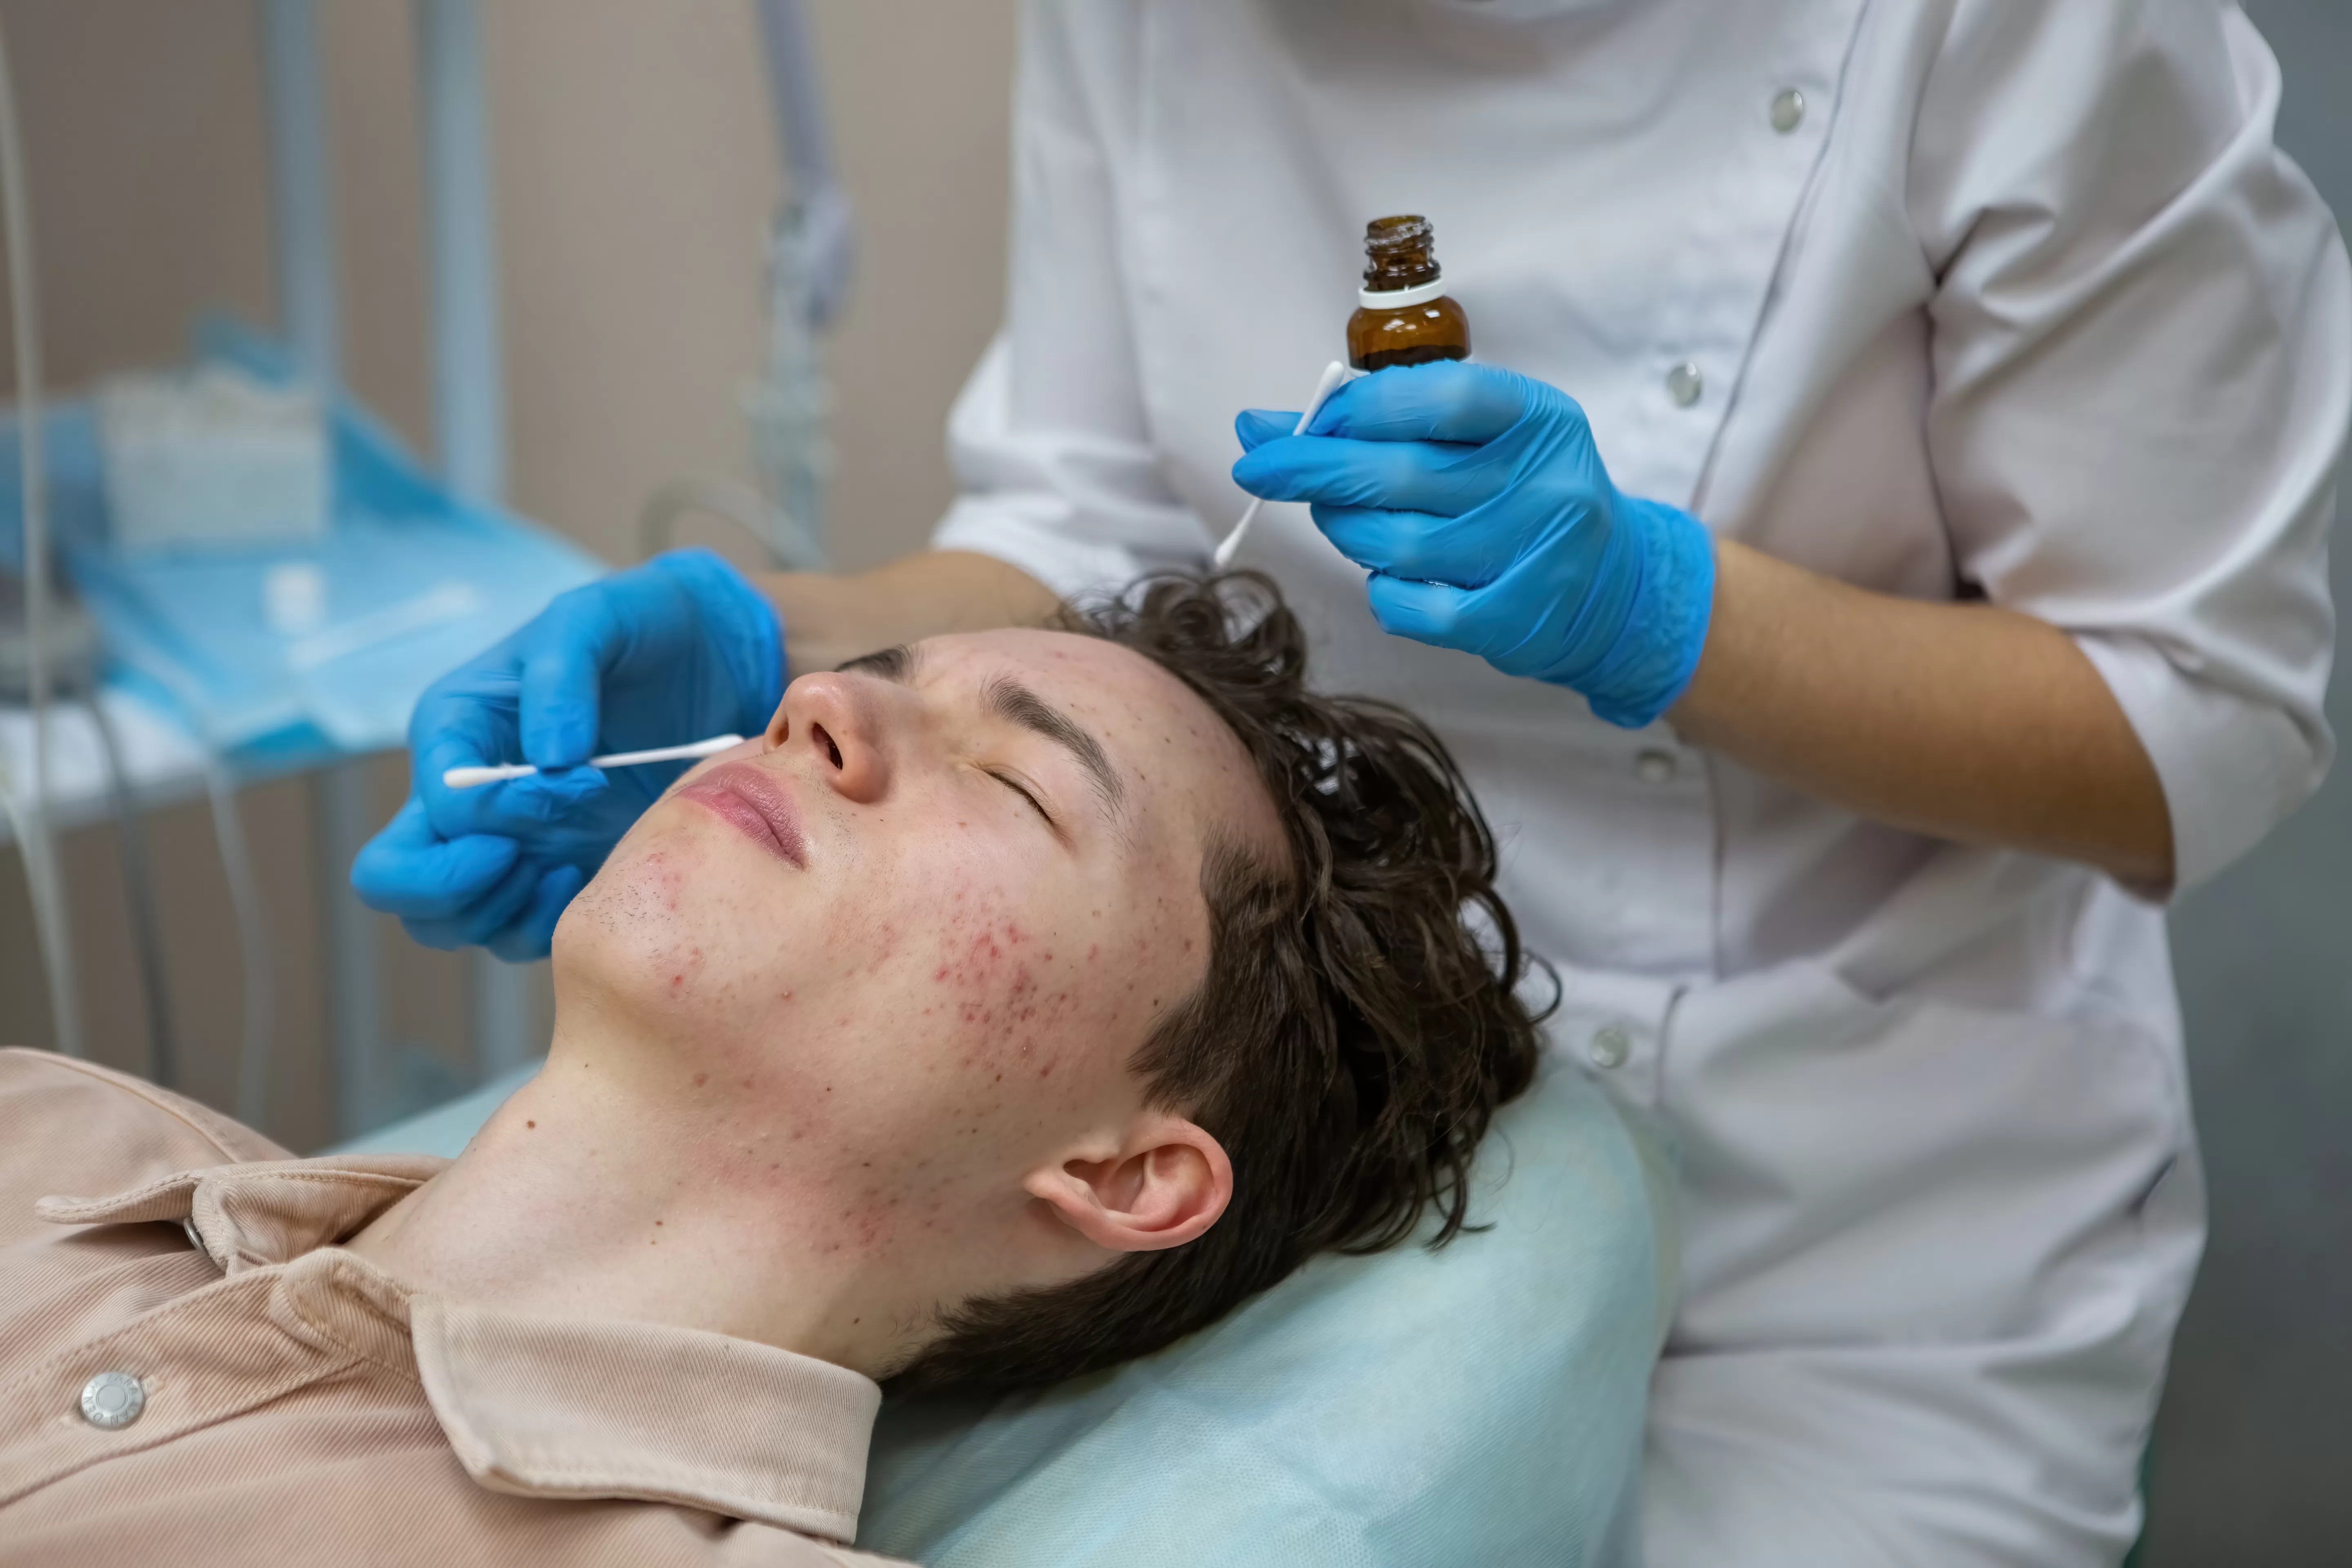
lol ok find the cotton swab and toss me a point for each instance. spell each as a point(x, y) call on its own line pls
point(1335, 376)
point(467, 778)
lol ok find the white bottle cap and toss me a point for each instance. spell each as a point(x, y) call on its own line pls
point(1401, 299)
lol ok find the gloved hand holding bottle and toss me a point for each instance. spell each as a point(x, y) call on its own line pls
point(1477, 500)
point(672, 652)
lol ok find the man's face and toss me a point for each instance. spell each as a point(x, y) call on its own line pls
point(917, 930)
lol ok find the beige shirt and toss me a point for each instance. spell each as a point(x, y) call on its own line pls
point(299, 1406)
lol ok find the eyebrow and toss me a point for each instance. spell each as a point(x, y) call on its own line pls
point(1016, 704)
point(896, 665)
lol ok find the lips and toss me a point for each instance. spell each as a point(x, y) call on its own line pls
point(748, 800)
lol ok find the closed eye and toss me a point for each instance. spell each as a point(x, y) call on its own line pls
point(1017, 787)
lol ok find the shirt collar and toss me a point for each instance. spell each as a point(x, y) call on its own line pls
point(536, 1406)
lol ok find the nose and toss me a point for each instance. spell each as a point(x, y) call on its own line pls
point(837, 725)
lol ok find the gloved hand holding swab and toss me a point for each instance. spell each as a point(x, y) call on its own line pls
point(467, 778)
point(1335, 376)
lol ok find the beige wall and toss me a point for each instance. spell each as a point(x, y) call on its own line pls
point(635, 171)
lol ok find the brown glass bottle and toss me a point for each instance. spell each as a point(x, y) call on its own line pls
point(1424, 324)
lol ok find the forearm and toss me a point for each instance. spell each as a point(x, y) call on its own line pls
point(829, 619)
point(1962, 721)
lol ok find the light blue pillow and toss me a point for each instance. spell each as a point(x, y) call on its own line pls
point(444, 1130)
point(1483, 1404)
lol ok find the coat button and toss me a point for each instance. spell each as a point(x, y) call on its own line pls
point(1787, 112)
point(1611, 1047)
point(1685, 382)
point(1655, 767)
point(112, 1400)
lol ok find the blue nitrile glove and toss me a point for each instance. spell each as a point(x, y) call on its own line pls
point(676, 650)
point(1477, 500)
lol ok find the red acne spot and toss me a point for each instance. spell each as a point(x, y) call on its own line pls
point(745, 1082)
point(700, 1079)
point(656, 1222)
point(942, 974)
point(784, 995)
point(1047, 1071)
point(676, 981)
point(1094, 950)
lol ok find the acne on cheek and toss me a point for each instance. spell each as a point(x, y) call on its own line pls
point(852, 946)
point(1002, 986)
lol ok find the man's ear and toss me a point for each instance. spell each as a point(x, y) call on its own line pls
point(1165, 1184)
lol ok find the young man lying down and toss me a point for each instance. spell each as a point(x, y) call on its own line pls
point(1019, 1003)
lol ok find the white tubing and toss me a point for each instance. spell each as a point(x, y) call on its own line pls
point(254, 1051)
point(32, 815)
point(253, 1065)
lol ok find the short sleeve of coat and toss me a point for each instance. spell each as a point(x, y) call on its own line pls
point(1053, 459)
point(2143, 377)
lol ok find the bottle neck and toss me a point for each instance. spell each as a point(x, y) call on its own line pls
point(1405, 267)
point(1398, 254)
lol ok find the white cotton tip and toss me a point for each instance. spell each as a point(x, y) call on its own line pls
point(1335, 376)
point(474, 778)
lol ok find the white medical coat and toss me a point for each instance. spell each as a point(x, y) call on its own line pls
point(2018, 300)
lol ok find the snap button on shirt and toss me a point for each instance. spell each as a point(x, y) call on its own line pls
point(1684, 383)
point(1611, 1047)
point(1655, 767)
point(112, 1400)
point(1787, 112)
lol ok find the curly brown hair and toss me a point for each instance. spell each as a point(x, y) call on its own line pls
point(1359, 1021)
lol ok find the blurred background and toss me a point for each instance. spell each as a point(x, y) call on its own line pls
point(635, 167)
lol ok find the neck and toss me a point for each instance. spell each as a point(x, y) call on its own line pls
point(596, 1192)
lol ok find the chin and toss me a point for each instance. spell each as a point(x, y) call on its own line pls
point(631, 912)
point(666, 921)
